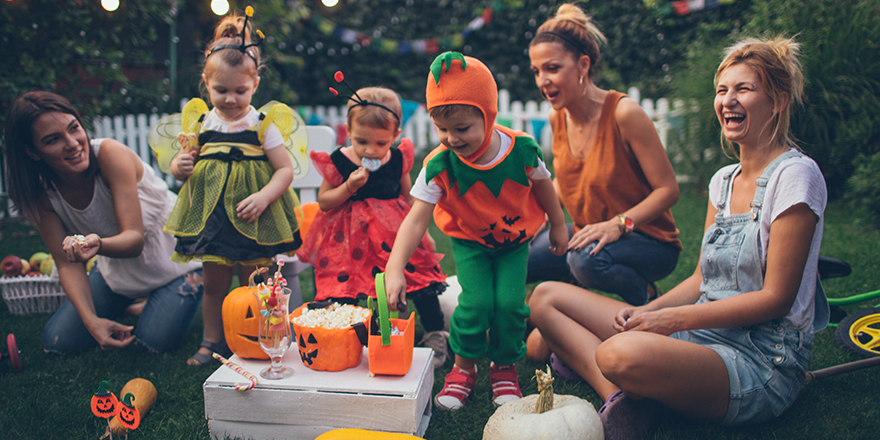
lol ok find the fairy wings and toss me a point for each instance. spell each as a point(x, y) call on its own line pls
point(180, 130)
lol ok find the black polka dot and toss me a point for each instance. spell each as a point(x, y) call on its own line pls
point(365, 228)
point(342, 277)
point(339, 236)
point(385, 247)
point(410, 268)
point(357, 254)
point(376, 271)
point(323, 262)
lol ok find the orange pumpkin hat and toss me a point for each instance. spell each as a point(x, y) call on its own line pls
point(458, 79)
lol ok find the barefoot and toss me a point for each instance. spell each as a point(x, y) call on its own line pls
point(136, 308)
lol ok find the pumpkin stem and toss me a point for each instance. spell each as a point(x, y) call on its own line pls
point(545, 387)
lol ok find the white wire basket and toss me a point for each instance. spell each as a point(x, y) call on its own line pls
point(25, 295)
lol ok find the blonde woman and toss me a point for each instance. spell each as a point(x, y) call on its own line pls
point(731, 343)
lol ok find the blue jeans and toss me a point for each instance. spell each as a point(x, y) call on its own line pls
point(162, 327)
point(624, 267)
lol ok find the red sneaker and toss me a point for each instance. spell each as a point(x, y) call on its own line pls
point(505, 384)
point(456, 389)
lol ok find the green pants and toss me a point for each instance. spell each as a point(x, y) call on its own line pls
point(492, 299)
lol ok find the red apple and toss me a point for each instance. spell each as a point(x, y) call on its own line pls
point(33, 273)
point(11, 266)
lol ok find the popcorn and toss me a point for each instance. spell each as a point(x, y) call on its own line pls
point(334, 316)
point(79, 239)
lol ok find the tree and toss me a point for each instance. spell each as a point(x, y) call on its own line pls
point(102, 61)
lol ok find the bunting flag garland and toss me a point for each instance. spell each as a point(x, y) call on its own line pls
point(376, 42)
point(683, 7)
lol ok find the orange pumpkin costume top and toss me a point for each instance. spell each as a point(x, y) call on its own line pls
point(493, 205)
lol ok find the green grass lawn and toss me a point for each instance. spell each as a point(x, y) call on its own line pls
point(50, 398)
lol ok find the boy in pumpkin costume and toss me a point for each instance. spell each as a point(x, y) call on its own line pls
point(488, 189)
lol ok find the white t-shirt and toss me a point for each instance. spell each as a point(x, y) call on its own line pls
point(796, 180)
point(272, 137)
point(430, 192)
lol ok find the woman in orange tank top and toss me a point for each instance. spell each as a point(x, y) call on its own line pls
point(612, 172)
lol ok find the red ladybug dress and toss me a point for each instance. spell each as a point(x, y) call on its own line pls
point(348, 245)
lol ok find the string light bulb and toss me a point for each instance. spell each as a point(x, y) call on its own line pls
point(330, 3)
point(110, 5)
point(219, 7)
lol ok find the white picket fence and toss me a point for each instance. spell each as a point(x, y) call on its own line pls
point(530, 117)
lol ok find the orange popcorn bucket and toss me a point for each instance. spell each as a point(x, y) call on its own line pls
point(329, 349)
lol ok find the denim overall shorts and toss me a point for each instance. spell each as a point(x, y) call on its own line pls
point(766, 362)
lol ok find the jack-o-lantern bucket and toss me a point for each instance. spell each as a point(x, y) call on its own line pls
point(330, 349)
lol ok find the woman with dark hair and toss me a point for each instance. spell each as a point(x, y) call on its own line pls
point(612, 173)
point(96, 197)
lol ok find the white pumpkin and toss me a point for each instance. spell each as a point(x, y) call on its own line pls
point(571, 418)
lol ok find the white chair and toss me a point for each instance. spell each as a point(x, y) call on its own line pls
point(321, 138)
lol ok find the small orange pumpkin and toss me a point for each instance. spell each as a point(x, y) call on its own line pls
point(128, 415)
point(325, 349)
point(241, 323)
point(104, 403)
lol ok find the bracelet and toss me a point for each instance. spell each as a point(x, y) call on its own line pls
point(626, 224)
point(100, 244)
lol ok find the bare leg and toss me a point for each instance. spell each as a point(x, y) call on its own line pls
point(574, 322)
point(217, 279)
point(688, 378)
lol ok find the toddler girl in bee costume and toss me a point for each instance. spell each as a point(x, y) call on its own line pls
point(236, 206)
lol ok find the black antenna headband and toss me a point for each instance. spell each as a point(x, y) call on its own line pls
point(339, 77)
point(243, 48)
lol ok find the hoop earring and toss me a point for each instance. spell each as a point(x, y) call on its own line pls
point(583, 89)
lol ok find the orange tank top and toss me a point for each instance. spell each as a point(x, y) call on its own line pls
point(608, 180)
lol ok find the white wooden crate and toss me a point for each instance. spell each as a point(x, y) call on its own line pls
point(310, 402)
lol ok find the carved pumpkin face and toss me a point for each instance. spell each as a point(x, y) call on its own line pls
point(103, 402)
point(327, 349)
point(129, 415)
point(241, 324)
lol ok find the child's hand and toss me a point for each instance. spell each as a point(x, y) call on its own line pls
point(558, 239)
point(395, 289)
point(357, 179)
point(252, 207)
point(185, 164)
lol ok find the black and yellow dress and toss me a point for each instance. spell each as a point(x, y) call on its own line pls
point(231, 166)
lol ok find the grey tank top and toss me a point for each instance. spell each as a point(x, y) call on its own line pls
point(130, 277)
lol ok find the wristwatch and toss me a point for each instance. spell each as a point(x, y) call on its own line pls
point(626, 224)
